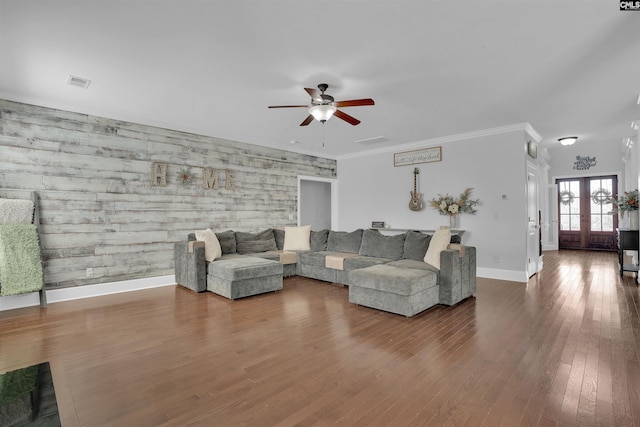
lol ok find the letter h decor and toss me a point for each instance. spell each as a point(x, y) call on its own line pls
point(158, 174)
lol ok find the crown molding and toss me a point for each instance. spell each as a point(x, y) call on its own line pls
point(523, 127)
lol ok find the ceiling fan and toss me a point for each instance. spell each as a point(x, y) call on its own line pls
point(324, 106)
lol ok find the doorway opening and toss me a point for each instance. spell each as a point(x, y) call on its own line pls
point(317, 202)
point(585, 213)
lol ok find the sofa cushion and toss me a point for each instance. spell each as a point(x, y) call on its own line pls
point(315, 258)
point(212, 248)
point(360, 261)
point(278, 233)
point(297, 238)
point(415, 245)
point(411, 263)
point(336, 260)
point(243, 268)
point(227, 241)
point(376, 244)
point(439, 242)
point(386, 278)
point(263, 241)
point(342, 241)
point(318, 240)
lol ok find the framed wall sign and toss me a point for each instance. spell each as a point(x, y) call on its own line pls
point(424, 155)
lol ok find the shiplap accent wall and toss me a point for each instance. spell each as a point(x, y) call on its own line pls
point(98, 208)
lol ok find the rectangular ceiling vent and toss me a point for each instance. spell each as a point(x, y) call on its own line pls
point(373, 140)
point(78, 81)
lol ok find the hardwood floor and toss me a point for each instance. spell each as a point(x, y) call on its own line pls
point(561, 350)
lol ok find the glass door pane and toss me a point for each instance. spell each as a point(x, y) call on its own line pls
point(569, 198)
point(601, 191)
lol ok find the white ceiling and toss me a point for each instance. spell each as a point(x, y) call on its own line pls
point(434, 68)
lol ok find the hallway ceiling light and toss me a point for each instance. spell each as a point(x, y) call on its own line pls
point(568, 140)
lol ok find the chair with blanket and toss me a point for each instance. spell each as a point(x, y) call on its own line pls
point(21, 267)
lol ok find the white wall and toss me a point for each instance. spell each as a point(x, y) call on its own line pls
point(608, 157)
point(372, 189)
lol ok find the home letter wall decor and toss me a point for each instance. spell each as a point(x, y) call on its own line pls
point(209, 178)
point(229, 180)
point(158, 174)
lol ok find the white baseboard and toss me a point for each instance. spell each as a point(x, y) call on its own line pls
point(495, 273)
point(87, 291)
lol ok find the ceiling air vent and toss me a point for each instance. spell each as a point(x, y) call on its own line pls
point(78, 81)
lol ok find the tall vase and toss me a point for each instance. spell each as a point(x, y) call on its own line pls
point(633, 220)
point(453, 223)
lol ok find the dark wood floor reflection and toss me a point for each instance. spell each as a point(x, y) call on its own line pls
point(561, 350)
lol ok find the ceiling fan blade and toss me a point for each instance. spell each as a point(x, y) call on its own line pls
point(308, 120)
point(347, 118)
point(314, 93)
point(355, 102)
point(289, 106)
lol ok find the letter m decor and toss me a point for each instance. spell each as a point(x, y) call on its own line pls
point(209, 178)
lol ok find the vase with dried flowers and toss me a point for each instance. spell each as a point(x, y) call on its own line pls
point(452, 207)
point(628, 202)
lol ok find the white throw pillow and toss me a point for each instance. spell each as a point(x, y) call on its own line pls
point(297, 238)
point(439, 242)
point(212, 249)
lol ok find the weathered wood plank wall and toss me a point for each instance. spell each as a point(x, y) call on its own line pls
point(99, 209)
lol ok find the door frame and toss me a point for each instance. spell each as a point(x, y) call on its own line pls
point(334, 197)
point(618, 174)
point(534, 254)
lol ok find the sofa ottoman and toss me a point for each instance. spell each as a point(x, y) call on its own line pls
point(402, 291)
point(243, 276)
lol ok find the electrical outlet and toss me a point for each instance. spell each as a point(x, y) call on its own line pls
point(496, 259)
point(89, 272)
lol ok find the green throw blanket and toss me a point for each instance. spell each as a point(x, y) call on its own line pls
point(20, 265)
point(16, 383)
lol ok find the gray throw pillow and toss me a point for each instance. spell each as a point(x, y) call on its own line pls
point(227, 241)
point(318, 240)
point(278, 233)
point(376, 244)
point(341, 241)
point(415, 245)
point(248, 243)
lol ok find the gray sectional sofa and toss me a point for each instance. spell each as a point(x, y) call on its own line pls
point(383, 272)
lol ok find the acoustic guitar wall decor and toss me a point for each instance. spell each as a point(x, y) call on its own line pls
point(415, 204)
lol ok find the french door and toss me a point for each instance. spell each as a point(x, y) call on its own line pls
point(584, 213)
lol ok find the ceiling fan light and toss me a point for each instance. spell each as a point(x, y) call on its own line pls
point(568, 140)
point(322, 113)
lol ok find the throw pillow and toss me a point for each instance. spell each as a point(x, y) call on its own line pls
point(278, 233)
point(212, 249)
point(227, 241)
point(319, 240)
point(439, 243)
point(415, 245)
point(250, 243)
point(297, 238)
point(376, 244)
point(341, 241)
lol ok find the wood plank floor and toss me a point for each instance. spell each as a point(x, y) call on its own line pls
point(562, 350)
